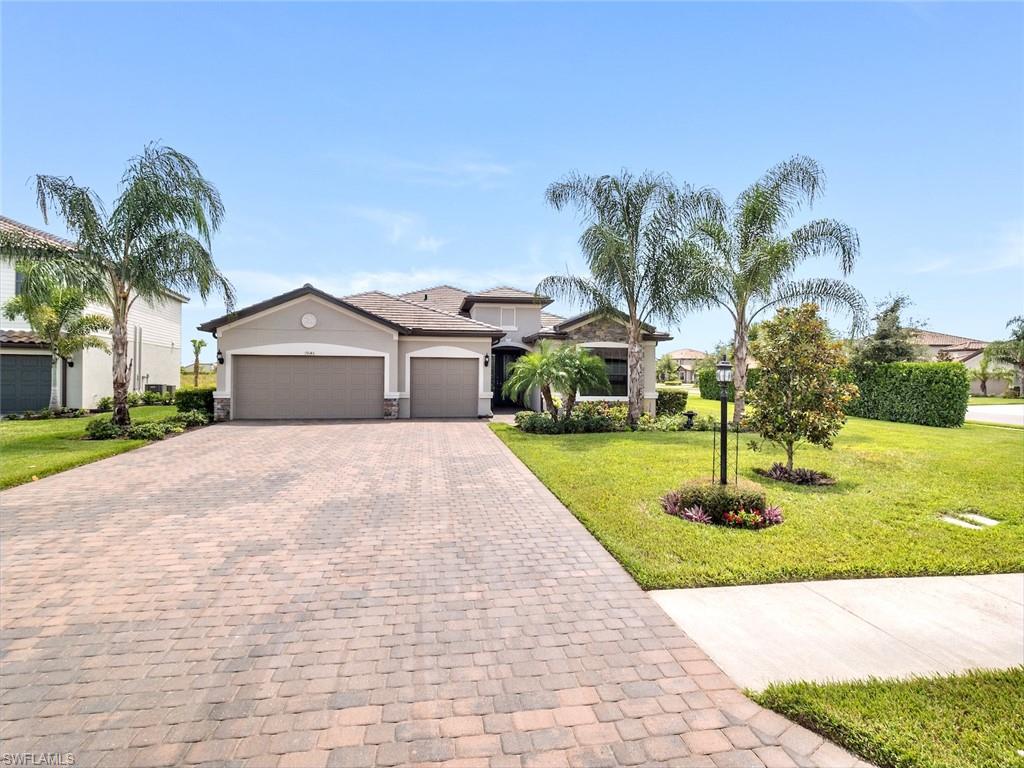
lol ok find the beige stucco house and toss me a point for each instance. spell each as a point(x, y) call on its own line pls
point(686, 361)
point(154, 347)
point(436, 352)
point(935, 346)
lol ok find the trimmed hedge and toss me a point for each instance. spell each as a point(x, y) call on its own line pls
point(197, 399)
point(932, 394)
point(671, 401)
point(708, 384)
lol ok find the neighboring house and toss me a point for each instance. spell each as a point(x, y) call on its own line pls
point(935, 346)
point(687, 361)
point(203, 368)
point(436, 352)
point(154, 338)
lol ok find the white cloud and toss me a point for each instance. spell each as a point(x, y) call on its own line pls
point(400, 227)
point(460, 169)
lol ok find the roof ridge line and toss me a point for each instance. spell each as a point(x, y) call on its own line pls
point(439, 311)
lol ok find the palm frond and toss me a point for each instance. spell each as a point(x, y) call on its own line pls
point(827, 293)
point(827, 237)
point(575, 290)
point(178, 261)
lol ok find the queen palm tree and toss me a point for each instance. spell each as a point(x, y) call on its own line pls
point(580, 371)
point(197, 347)
point(540, 370)
point(155, 239)
point(56, 314)
point(1011, 351)
point(627, 244)
point(741, 257)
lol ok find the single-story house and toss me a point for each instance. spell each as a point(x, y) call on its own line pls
point(436, 352)
point(203, 368)
point(154, 347)
point(687, 361)
point(936, 346)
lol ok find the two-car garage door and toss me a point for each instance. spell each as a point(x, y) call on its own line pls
point(307, 387)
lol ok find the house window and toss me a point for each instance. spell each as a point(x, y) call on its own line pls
point(508, 317)
point(616, 368)
point(19, 283)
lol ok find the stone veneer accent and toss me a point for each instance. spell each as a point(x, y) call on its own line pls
point(390, 407)
point(602, 329)
point(221, 408)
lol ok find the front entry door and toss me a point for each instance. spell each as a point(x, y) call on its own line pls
point(501, 364)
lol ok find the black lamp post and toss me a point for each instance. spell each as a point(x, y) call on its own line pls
point(723, 372)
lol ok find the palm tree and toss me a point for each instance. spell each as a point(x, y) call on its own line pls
point(580, 371)
point(1011, 351)
point(667, 368)
point(56, 314)
point(742, 259)
point(197, 347)
point(985, 373)
point(627, 245)
point(156, 239)
point(540, 370)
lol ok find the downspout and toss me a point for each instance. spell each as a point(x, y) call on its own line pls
point(63, 383)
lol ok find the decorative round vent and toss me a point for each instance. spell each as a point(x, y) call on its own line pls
point(308, 320)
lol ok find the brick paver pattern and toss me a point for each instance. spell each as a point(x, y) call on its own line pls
point(360, 594)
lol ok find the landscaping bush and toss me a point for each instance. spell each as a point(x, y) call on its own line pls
point(188, 419)
point(102, 429)
point(194, 399)
point(151, 397)
point(797, 475)
point(932, 394)
point(133, 399)
point(709, 388)
point(671, 401)
point(741, 506)
point(148, 430)
point(586, 417)
point(105, 404)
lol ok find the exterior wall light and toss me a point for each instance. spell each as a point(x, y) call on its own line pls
point(220, 357)
point(487, 360)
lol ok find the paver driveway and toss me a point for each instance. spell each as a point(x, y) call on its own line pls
point(345, 594)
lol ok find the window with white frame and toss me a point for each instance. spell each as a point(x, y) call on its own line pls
point(616, 367)
point(508, 317)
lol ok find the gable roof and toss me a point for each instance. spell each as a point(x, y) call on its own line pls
point(503, 295)
point(687, 354)
point(394, 312)
point(560, 329)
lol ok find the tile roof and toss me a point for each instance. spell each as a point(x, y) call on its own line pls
point(420, 318)
point(11, 230)
point(447, 298)
point(936, 339)
point(549, 320)
point(967, 346)
point(687, 354)
point(27, 338)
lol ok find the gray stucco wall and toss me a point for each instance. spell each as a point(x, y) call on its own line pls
point(435, 346)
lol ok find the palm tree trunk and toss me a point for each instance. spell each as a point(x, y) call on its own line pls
point(54, 373)
point(119, 362)
point(789, 456)
point(547, 398)
point(195, 372)
point(569, 404)
point(635, 373)
point(739, 354)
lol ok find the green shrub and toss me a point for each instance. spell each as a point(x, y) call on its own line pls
point(105, 404)
point(194, 399)
point(133, 399)
point(932, 394)
point(151, 397)
point(709, 388)
point(188, 419)
point(602, 415)
point(148, 430)
point(718, 500)
point(102, 429)
point(537, 423)
point(671, 401)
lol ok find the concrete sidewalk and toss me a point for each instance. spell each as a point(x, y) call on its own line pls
point(851, 629)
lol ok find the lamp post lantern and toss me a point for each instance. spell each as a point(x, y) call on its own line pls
point(723, 372)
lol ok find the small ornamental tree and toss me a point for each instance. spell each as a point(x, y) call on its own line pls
point(801, 393)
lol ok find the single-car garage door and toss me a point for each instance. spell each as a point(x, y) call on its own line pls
point(24, 382)
point(307, 387)
point(444, 386)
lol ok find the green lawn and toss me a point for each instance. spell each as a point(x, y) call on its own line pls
point(47, 446)
point(880, 519)
point(970, 721)
point(975, 400)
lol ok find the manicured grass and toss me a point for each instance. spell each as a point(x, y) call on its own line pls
point(880, 519)
point(205, 380)
point(47, 446)
point(970, 721)
point(974, 400)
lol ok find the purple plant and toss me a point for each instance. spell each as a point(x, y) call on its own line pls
point(772, 515)
point(696, 514)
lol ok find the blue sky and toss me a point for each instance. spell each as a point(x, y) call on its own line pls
point(400, 146)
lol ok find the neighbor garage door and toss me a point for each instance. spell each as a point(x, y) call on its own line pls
point(307, 387)
point(444, 386)
point(24, 383)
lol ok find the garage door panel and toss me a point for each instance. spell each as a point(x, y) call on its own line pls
point(307, 387)
point(444, 387)
point(24, 382)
